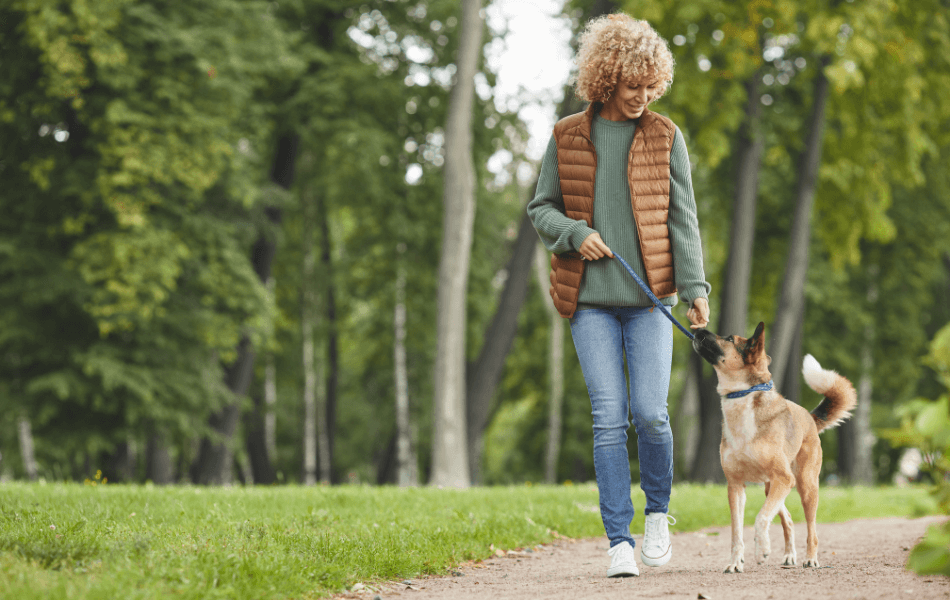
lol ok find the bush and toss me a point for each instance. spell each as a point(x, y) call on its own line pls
point(925, 424)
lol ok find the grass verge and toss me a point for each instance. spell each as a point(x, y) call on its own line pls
point(108, 541)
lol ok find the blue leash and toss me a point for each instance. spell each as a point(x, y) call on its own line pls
point(652, 296)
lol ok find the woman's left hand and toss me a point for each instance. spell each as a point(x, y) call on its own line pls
point(698, 314)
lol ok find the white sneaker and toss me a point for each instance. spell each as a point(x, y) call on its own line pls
point(657, 548)
point(623, 561)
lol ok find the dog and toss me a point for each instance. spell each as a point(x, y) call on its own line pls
point(768, 439)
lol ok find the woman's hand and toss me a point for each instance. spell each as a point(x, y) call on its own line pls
point(698, 314)
point(594, 248)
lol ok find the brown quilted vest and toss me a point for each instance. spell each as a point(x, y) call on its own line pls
point(648, 173)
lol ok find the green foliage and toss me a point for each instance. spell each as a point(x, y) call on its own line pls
point(94, 541)
point(925, 424)
point(125, 279)
point(131, 176)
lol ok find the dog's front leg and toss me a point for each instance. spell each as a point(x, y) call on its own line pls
point(737, 510)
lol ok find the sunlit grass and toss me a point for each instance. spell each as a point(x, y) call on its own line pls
point(108, 541)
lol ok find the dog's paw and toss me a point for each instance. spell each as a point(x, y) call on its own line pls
point(763, 545)
point(811, 562)
point(790, 559)
point(735, 567)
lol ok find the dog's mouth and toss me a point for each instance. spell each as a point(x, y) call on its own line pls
point(705, 344)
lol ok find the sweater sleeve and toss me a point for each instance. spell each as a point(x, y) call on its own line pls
point(684, 227)
point(558, 232)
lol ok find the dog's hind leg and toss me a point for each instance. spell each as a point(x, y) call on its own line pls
point(737, 510)
point(808, 490)
point(790, 557)
point(779, 487)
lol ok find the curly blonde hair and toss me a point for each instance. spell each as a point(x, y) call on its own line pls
point(618, 47)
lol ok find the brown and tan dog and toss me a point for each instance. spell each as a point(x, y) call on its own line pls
point(768, 439)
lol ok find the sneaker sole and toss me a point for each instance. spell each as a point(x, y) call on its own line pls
point(657, 562)
point(623, 572)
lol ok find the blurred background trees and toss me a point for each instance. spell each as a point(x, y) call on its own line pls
point(222, 226)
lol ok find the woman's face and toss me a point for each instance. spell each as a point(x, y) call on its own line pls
point(629, 99)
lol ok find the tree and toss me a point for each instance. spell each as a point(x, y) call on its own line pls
point(555, 369)
point(131, 125)
point(792, 296)
point(449, 447)
point(485, 372)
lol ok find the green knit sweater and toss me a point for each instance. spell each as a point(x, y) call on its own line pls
point(605, 282)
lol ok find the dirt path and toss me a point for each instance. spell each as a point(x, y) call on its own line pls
point(861, 559)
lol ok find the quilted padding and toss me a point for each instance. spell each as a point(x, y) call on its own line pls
point(648, 174)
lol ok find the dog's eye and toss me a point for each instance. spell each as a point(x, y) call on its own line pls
point(731, 339)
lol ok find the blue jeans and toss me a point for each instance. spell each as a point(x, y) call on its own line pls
point(602, 336)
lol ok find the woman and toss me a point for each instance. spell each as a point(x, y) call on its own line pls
point(617, 176)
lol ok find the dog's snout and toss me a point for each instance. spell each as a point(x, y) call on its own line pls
point(704, 344)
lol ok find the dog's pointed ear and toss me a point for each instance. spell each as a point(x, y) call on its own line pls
point(756, 344)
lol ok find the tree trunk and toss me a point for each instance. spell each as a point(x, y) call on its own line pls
point(270, 400)
point(686, 421)
point(158, 461)
point(333, 355)
point(863, 471)
point(259, 422)
point(792, 388)
point(555, 368)
point(270, 396)
point(485, 373)
point(213, 466)
point(214, 460)
point(450, 465)
point(706, 465)
point(796, 268)
point(734, 307)
point(734, 298)
point(25, 433)
point(307, 309)
point(119, 465)
point(407, 472)
point(258, 455)
point(324, 456)
point(855, 438)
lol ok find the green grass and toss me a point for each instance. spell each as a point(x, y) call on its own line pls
point(108, 541)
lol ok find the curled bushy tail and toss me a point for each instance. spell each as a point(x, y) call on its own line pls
point(840, 397)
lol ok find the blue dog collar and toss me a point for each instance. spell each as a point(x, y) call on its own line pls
point(762, 387)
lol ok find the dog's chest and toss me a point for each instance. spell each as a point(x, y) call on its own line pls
point(739, 428)
point(739, 433)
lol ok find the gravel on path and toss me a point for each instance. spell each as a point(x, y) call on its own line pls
point(861, 559)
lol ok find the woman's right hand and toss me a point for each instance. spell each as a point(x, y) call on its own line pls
point(594, 248)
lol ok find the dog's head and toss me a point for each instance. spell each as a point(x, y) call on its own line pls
point(738, 361)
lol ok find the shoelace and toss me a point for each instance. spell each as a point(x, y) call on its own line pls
point(653, 525)
point(620, 549)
